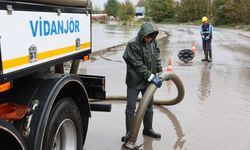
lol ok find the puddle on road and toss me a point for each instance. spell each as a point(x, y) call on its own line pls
point(214, 115)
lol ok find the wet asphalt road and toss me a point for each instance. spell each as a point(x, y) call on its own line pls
point(215, 112)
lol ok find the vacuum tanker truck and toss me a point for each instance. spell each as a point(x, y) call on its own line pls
point(43, 106)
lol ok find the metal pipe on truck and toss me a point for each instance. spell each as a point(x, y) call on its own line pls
point(80, 3)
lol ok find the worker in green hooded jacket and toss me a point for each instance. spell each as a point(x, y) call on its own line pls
point(142, 57)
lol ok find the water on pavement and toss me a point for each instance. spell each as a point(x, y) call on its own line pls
point(215, 112)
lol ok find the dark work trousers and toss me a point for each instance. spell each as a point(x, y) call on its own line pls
point(132, 95)
point(207, 48)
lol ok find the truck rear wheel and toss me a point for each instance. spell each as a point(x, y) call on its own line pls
point(65, 129)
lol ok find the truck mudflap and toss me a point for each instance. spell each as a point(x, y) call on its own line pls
point(95, 87)
point(10, 137)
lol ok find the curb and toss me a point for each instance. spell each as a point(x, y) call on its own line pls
point(242, 34)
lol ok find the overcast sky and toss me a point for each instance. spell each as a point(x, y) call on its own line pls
point(100, 3)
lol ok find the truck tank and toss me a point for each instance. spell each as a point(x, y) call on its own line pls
point(81, 3)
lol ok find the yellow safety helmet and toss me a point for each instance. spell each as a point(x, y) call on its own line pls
point(204, 19)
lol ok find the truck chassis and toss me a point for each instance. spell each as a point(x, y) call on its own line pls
point(42, 107)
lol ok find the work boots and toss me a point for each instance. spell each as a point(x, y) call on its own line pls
point(206, 56)
point(129, 121)
point(147, 122)
point(210, 56)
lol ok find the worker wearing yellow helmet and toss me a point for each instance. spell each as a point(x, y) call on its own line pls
point(204, 19)
point(206, 36)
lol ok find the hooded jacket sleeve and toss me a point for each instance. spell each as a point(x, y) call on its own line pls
point(158, 59)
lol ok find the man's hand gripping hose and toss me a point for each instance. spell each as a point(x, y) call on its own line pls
point(145, 102)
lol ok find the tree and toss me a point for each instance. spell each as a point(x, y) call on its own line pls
point(111, 7)
point(219, 12)
point(126, 11)
point(97, 10)
point(231, 12)
point(159, 9)
point(190, 10)
point(246, 9)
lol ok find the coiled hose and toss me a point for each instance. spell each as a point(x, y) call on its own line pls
point(145, 102)
point(169, 76)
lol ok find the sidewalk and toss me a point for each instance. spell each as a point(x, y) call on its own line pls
point(245, 33)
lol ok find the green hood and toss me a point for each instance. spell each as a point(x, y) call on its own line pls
point(146, 28)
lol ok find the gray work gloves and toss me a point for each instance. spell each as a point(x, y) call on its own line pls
point(156, 79)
